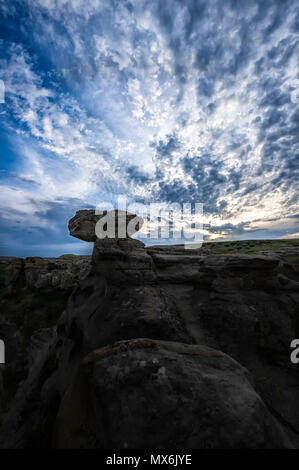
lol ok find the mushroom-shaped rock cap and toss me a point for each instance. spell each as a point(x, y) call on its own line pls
point(115, 224)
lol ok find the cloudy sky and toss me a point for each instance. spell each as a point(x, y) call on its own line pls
point(158, 101)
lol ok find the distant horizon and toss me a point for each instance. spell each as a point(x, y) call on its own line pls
point(159, 101)
point(87, 250)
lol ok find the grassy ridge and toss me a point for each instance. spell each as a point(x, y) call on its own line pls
point(251, 246)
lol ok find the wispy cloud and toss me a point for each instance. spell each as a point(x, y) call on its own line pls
point(159, 101)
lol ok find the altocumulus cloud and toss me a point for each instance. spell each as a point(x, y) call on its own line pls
point(170, 101)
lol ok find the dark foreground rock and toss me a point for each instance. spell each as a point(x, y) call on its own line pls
point(214, 371)
point(1, 396)
point(145, 394)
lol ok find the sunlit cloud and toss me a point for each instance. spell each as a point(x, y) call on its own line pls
point(158, 101)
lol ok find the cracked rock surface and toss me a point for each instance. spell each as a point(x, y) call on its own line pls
point(161, 347)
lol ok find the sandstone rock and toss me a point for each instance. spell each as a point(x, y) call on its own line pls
point(123, 261)
point(159, 395)
point(13, 338)
point(230, 302)
point(37, 273)
point(40, 340)
point(28, 424)
point(99, 313)
point(1, 395)
point(244, 305)
point(13, 273)
point(83, 224)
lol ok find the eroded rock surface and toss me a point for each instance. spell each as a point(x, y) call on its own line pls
point(37, 273)
point(195, 308)
point(159, 394)
point(123, 224)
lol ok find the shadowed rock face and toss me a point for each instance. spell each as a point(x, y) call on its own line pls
point(195, 309)
point(160, 394)
point(1, 396)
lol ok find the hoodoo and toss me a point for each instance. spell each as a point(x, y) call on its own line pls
point(160, 347)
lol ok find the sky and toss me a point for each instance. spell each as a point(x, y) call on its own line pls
point(157, 101)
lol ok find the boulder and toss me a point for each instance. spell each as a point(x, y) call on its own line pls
point(99, 313)
point(158, 395)
point(83, 224)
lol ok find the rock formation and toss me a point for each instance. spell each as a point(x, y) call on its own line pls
point(36, 273)
point(160, 347)
point(83, 224)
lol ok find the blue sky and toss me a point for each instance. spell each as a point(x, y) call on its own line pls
point(159, 101)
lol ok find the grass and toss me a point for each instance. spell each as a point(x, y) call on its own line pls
point(251, 246)
point(293, 259)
